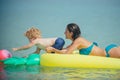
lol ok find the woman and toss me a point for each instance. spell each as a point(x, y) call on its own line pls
point(84, 46)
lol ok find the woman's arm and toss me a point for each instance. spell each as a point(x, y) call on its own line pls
point(51, 49)
point(67, 50)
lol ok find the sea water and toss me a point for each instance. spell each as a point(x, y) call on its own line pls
point(99, 21)
point(37, 72)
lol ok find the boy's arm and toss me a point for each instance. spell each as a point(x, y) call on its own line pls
point(23, 47)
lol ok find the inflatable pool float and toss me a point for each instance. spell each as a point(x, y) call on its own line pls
point(65, 60)
point(32, 59)
point(4, 54)
point(78, 61)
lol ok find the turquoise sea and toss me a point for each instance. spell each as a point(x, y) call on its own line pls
point(36, 72)
point(99, 21)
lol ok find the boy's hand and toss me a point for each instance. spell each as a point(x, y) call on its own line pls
point(14, 49)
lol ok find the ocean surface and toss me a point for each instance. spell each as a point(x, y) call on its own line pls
point(36, 72)
point(99, 21)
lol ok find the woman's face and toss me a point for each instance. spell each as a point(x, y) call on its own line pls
point(68, 34)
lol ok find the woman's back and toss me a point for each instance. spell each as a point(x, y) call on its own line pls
point(88, 48)
point(96, 51)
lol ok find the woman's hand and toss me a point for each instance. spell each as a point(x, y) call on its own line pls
point(49, 49)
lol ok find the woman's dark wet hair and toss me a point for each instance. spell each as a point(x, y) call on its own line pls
point(72, 27)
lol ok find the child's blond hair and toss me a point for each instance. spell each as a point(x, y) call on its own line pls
point(33, 33)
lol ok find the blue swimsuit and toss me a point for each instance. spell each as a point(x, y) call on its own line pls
point(108, 48)
point(87, 51)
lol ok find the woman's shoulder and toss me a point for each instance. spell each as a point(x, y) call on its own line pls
point(78, 41)
point(81, 39)
point(83, 42)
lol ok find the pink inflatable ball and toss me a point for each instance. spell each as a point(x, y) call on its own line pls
point(4, 54)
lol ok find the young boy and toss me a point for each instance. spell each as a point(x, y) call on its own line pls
point(35, 39)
